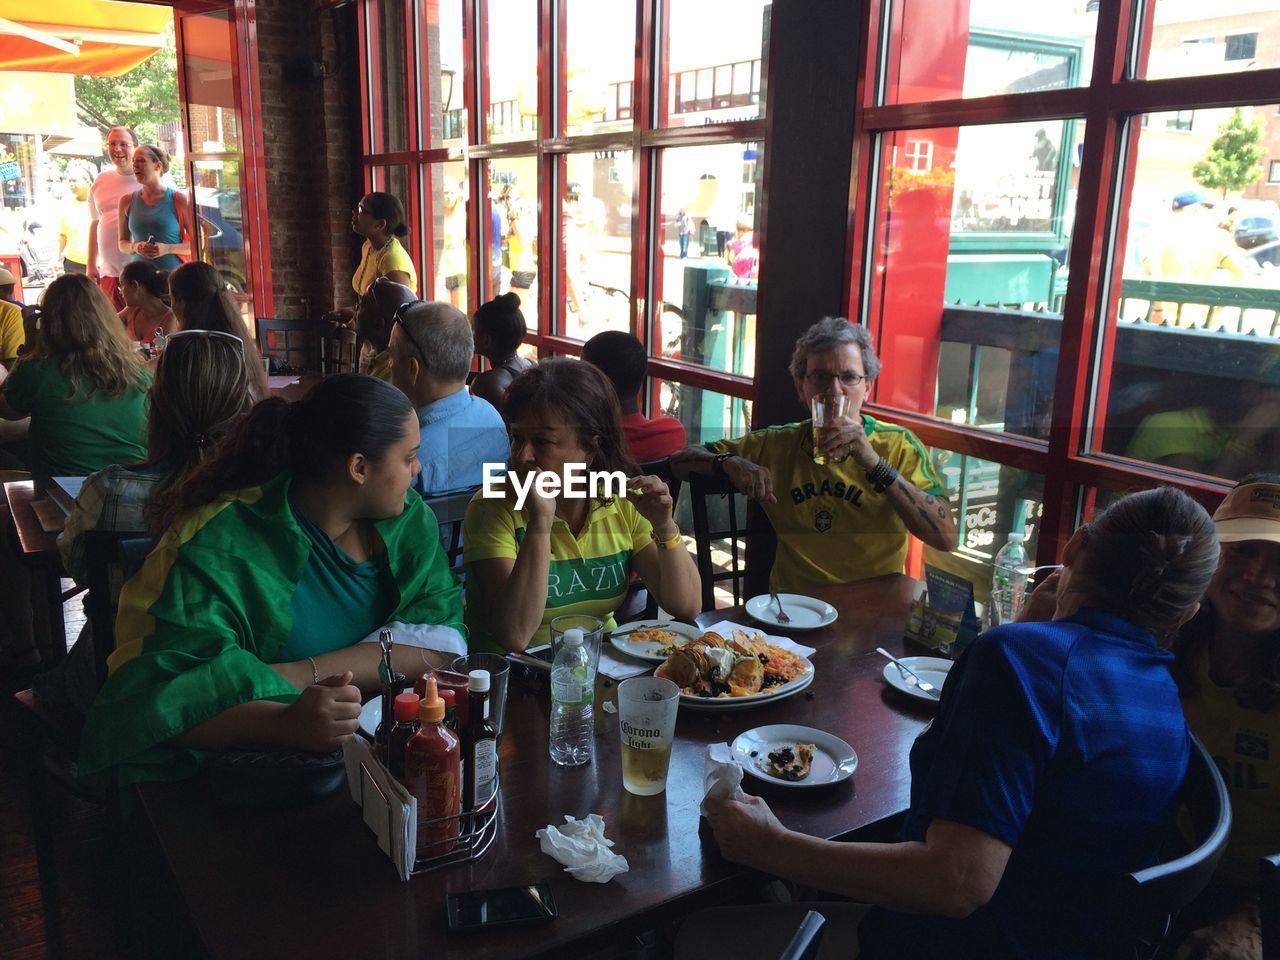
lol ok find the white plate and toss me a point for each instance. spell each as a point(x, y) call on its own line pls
point(929, 669)
point(806, 613)
point(648, 650)
point(371, 716)
point(780, 692)
point(833, 760)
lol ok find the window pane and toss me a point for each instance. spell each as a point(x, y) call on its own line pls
point(595, 242)
point(446, 102)
point(447, 240)
point(391, 78)
point(512, 33)
point(972, 236)
point(599, 63)
point(709, 43)
point(706, 415)
point(1195, 377)
point(513, 189)
point(994, 49)
point(989, 501)
point(1192, 40)
point(210, 87)
point(709, 259)
point(218, 212)
point(395, 181)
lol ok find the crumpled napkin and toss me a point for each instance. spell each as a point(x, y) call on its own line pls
point(583, 849)
point(722, 776)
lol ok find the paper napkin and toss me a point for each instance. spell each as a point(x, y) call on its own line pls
point(722, 775)
point(583, 849)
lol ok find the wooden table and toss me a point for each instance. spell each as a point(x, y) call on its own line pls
point(312, 881)
point(39, 551)
point(293, 386)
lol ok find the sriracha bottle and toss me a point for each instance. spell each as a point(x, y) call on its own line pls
point(431, 775)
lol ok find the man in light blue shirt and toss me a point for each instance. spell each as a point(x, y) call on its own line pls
point(431, 349)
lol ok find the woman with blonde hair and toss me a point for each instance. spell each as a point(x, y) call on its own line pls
point(201, 302)
point(80, 382)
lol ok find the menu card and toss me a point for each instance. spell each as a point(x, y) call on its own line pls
point(942, 614)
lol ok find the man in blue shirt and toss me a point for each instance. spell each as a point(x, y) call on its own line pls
point(430, 352)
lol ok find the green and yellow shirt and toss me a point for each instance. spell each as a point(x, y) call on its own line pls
point(589, 572)
point(831, 526)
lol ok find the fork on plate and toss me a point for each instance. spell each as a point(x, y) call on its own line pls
point(782, 614)
point(909, 676)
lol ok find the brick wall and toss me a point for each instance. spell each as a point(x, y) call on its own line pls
point(311, 136)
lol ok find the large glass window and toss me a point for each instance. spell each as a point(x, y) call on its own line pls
point(511, 33)
point(595, 242)
point(441, 71)
point(716, 59)
point(447, 198)
point(1189, 39)
point(513, 188)
point(599, 65)
point(389, 92)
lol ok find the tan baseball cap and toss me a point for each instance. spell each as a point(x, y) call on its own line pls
point(1250, 512)
point(6, 277)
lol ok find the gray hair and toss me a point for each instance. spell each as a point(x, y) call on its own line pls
point(442, 335)
point(831, 333)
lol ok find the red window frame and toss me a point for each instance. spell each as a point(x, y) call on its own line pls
point(1111, 106)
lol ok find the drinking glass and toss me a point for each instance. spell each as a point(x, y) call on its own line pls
point(592, 636)
point(826, 409)
point(647, 724)
point(499, 668)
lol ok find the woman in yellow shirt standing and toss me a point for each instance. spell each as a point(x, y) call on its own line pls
point(379, 218)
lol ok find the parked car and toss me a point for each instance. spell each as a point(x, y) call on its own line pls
point(1255, 230)
point(1266, 255)
point(219, 216)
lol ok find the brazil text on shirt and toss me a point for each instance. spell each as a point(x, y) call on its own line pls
point(807, 491)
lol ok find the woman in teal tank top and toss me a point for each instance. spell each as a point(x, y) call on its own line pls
point(154, 221)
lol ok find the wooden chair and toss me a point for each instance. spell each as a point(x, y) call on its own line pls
point(1151, 899)
point(292, 342)
point(734, 533)
point(337, 349)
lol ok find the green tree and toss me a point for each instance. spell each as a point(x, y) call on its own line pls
point(143, 98)
point(1232, 162)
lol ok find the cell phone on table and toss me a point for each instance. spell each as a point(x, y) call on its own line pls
point(507, 906)
point(534, 658)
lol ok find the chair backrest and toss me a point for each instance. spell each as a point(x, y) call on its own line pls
point(337, 349)
point(1270, 907)
point(111, 557)
point(1152, 898)
point(808, 938)
point(733, 537)
point(662, 470)
point(290, 341)
point(450, 510)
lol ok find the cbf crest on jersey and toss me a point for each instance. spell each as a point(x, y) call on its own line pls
point(822, 520)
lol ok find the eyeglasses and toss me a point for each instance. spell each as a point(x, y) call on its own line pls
point(207, 335)
point(397, 318)
point(823, 378)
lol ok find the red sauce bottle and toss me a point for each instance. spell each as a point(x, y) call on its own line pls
point(406, 725)
point(431, 775)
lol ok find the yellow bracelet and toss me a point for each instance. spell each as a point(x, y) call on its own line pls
point(670, 544)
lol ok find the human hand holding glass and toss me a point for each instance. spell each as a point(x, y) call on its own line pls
point(829, 411)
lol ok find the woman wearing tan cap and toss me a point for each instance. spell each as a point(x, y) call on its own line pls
point(1228, 673)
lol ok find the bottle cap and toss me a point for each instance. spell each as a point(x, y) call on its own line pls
point(449, 697)
point(406, 707)
point(572, 637)
point(1017, 537)
point(478, 681)
point(432, 708)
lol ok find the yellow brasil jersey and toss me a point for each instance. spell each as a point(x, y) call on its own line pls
point(378, 263)
point(588, 573)
point(1245, 745)
point(832, 526)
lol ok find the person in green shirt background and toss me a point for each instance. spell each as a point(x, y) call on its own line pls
point(80, 382)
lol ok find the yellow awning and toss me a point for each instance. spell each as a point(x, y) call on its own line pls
point(86, 37)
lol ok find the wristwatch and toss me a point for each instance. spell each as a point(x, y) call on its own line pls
point(717, 464)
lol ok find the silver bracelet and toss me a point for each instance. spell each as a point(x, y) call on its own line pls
point(315, 671)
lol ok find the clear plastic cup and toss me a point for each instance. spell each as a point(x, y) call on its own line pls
point(592, 636)
point(825, 410)
point(647, 724)
point(499, 668)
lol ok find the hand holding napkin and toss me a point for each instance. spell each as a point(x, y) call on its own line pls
point(583, 849)
point(722, 777)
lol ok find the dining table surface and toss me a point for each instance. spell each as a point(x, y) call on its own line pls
point(233, 867)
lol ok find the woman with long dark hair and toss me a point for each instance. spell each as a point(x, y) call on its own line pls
point(1053, 768)
point(144, 289)
point(80, 381)
point(201, 301)
point(297, 541)
point(559, 554)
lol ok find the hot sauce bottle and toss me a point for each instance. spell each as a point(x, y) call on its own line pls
point(480, 735)
point(406, 710)
point(431, 775)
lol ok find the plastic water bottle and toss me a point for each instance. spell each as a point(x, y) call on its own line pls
point(572, 690)
point(1009, 580)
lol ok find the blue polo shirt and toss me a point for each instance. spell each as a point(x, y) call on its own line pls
point(1065, 740)
point(459, 434)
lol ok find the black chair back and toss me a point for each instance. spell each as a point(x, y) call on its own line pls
point(450, 510)
point(662, 470)
point(291, 342)
point(1270, 907)
point(337, 348)
point(1152, 898)
point(111, 558)
point(734, 537)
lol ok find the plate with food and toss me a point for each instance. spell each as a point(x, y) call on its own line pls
point(652, 640)
point(794, 756)
point(929, 669)
point(743, 669)
point(803, 613)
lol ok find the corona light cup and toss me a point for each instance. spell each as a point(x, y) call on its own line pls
point(647, 723)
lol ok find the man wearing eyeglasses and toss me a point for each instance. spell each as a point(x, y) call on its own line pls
point(431, 348)
point(848, 518)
